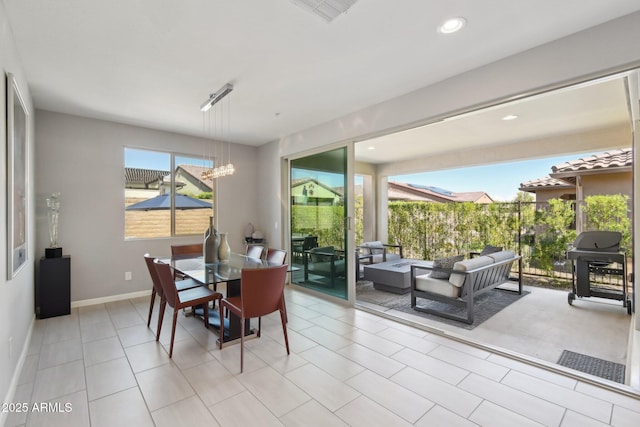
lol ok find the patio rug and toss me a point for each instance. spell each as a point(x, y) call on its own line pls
point(485, 305)
point(592, 365)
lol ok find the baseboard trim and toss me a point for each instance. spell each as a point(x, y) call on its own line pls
point(111, 298)
point(13, 386)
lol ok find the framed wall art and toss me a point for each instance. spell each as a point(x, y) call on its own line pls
point(17, 173)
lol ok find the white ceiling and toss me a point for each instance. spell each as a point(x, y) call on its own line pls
point(153, 63)
point(599, 104)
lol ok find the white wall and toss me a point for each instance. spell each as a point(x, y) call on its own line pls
point(16, 296)
point(83, 159)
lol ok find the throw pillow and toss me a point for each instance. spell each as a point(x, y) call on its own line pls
point(446, 263)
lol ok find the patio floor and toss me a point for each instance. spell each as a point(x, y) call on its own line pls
point(542, 324)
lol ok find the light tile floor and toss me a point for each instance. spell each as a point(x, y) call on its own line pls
point(347, 368)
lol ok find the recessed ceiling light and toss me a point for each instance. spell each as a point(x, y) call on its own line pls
point(371, 148)
point(452, 25)
point(509, 117)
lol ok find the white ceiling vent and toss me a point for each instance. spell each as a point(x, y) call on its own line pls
point(326, 9)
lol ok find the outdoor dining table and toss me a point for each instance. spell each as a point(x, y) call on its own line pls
point(219, 272)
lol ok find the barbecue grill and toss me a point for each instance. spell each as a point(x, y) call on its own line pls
point(599, 267)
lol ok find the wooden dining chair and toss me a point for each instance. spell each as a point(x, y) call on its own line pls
point(157, 286)
point(254, 251)
point(201, 295)
point(261, 293)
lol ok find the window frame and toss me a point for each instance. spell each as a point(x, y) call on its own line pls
point(173, 155)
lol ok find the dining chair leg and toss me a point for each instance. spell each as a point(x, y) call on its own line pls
point(173, 332)
point(283, 319)
point(241, 343)
point(284, 305)
point(221, 339)
point(153, 300)
point(163, 304)
point(259, 326)
point(205, 312)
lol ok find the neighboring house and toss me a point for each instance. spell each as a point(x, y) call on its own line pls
point(146, 183)
point(400, 191)
point(600, 174)
point(191, 177)
point(143, 178)
point(605, 173)
point(309, 191)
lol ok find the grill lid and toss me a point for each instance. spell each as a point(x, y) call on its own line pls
point(598, 241)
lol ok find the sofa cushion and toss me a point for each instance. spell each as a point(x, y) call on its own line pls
point(376, 247)
point(446, 263)
point(457, 279)
point(501, 256)
point(426, 283)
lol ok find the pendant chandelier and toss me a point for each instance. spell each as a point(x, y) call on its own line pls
point(225, 169)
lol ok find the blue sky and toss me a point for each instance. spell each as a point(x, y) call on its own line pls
point(157, 160)
point(500, 181)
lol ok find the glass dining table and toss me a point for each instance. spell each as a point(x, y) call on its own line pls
point(229, 272)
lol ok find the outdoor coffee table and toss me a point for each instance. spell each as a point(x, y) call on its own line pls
point(393, 276)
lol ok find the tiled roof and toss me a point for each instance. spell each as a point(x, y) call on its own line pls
point(547, 182)
point(405, 191)
point(196, 172)
point(143, 176)
point(607, 160)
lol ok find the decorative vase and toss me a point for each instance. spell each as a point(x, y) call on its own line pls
point(248, 232)
point(211, 243)
point(53, 203)
point(224, 251)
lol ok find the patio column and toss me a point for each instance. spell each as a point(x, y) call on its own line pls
point(579, 205)
point(382, 212)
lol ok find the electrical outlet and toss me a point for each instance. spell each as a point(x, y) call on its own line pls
point(127, 275)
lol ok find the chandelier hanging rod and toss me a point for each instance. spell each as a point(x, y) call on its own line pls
point(215, 97)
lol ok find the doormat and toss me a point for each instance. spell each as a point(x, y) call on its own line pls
point(485, 305)
point(592, 365)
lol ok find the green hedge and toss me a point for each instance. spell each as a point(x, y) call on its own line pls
point(541, 232)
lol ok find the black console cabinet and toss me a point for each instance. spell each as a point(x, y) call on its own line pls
point(53, 287)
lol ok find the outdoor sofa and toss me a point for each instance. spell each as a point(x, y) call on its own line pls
point(324, 261)
point(461, 284)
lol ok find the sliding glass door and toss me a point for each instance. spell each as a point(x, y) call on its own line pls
point(319, 225)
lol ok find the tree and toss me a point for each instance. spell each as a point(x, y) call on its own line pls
point(610, 213)
point(554, 233)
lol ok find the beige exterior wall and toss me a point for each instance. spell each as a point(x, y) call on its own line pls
point(546, 195)
point(615, 183)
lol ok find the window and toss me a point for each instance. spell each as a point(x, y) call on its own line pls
point(155, 182)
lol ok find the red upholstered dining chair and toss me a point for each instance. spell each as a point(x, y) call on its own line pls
point(276, 256)
point(157, 287)
point(254, 251)
point(261, 293)
point(193, 249)
point(201, 295)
